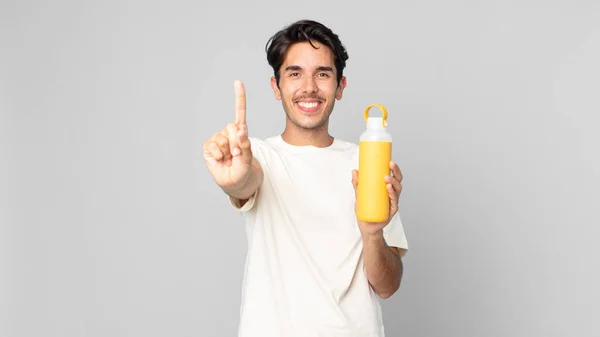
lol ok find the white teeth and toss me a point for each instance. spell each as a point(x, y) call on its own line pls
point(308, 105)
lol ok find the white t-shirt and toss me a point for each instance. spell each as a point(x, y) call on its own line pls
point(304, 274)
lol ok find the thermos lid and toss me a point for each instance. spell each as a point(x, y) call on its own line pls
point(375, 123)
point(370, 120)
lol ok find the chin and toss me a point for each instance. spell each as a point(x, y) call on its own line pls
point(313, 122)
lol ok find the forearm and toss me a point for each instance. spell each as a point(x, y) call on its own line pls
point(384, 266)
point(244, 190)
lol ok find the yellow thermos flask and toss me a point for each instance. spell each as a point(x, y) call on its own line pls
point(375, 153)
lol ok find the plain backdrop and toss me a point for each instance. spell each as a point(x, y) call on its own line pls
point(112, 226)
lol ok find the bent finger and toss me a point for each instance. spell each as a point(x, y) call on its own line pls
point(213, 151)
point(393, 199)
point(396, 185)
point(223, 144)
point(355, 181)
point(397, 173)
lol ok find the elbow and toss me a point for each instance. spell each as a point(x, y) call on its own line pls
point(384, 295)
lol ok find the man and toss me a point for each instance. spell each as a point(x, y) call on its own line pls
point(312, 269)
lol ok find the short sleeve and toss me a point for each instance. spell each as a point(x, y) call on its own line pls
point(236, 204)
point(394, 234)
point(257, 152)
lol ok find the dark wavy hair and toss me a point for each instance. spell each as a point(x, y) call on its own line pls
point(305, 31)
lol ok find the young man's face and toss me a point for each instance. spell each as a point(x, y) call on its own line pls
point(307, 86)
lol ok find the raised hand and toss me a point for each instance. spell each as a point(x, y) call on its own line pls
point(228, 154)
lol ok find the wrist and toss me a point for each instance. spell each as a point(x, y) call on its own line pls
point(241, 189)
point(372, 237)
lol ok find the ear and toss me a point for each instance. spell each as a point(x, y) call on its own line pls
point(340, 89)
point(276, 90)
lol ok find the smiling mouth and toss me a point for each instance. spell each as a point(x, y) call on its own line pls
point(309, 107)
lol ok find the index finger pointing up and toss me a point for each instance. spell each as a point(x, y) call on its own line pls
point(240, 103)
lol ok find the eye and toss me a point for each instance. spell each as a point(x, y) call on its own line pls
point(323, 75)
point(294, 74)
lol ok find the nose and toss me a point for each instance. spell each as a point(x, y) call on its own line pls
point(310, 85)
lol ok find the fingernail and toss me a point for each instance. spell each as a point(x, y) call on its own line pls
point(236, 151)
point(228, 162)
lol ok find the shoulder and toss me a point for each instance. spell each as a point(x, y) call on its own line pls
point(346, 145)
point(347, 149)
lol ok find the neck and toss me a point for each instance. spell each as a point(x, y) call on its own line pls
point(297, 136)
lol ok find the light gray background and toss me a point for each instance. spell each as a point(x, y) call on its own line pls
point(112, 226)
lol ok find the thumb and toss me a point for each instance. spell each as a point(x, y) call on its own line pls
point(355, 181)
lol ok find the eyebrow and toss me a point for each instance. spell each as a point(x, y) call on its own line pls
point(319, 68)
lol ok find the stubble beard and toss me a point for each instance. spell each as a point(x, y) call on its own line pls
point(308, 127)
